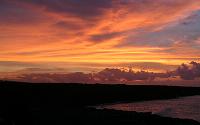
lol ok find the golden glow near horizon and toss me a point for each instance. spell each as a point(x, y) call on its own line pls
point(102, 32)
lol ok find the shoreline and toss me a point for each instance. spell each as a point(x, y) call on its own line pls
point(28, 103)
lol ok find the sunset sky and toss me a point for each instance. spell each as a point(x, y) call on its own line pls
point(89, 35)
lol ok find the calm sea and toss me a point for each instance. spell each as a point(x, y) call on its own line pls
point(187, 107)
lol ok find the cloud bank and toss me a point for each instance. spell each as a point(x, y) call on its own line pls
point(113, 75)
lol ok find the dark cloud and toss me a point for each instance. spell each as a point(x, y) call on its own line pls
point(105, 36)
point(85, 9)
point(107, 75)
point(68, 25)
point(117, 75)
point(77, 77)
point(189, 72)
point(12, 13)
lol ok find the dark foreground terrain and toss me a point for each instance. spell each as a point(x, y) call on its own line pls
point(67, 104)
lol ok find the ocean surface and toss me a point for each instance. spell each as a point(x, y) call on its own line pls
point(185, 108)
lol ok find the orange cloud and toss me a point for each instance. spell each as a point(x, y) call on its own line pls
point(98, 31)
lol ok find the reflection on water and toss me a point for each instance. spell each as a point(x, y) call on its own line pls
point(187, 107)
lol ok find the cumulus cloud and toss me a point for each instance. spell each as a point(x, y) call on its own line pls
point(108, 75)
point(113, 75)
point(189, 72)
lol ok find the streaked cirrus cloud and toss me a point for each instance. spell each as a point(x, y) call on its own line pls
point(100, 31)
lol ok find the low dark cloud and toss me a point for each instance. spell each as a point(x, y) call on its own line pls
point(189, 72)
point(113, 75)
point(108, 75)
point(117, 75)
point(77, 77)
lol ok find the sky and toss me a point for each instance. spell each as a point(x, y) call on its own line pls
point(90, 35)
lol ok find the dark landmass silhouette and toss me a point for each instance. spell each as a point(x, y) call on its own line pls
point(61, 104)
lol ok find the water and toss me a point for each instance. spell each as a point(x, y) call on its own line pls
point(185, 108)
